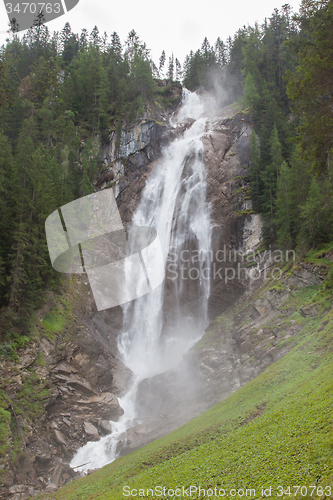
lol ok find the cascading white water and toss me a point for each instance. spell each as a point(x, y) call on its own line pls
point(174, 203)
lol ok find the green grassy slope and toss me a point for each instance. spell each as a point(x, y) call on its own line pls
point(277, 431)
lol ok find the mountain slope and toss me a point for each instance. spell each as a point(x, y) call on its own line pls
point(276, 431)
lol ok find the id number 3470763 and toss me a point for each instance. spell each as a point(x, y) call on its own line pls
point(33, 8)
point(304, 491)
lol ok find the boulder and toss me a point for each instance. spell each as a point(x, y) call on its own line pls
point(18, 488)
point(90, 430)
point(59, 437)
point(77, 383)
point(105, 426)
point(64, 368)
point(106, 406)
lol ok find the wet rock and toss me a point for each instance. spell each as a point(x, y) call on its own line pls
point(139, 435)
point(64, 368)
point(90, 430)
point(18, 488)
point(59, 437)
point(90, 471)
point(77, 383)
point(105, 427)
point(51, 487)
point(252, 231)
point(216, 145)
point(67, 422)
point(44, 456)
point(55, 478)
point(23, 496)
point(106, 406)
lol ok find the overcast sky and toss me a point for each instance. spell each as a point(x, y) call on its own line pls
point(176, 26)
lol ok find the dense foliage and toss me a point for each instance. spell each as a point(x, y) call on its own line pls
point(60, 97)
point(283, 72)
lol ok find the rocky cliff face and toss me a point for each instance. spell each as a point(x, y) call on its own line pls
point(74, 364)
point(77, 366)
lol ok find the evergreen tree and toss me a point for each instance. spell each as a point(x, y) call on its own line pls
point(221, 52)
point(283, 204)
point(251, 96)
point(65, 35)
point(6, 166)
point(84, 39)
point(179, 73)
point(116, 47)
point(70, 49)
point(186, 65)
point(5, 91)
point(161, 65)
point(14, 26)
point(254, 172)
point(316, 217)
point(311, 85)
point(104, 44)
point(269, 178)
point(39, 30)
point(95, 38)
point(171, 67)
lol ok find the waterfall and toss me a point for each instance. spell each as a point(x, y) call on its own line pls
point(174, 203)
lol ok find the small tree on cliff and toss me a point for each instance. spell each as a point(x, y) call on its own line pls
point(162, 62)
point(171, 68)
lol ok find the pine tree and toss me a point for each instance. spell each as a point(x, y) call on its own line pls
point(95, 38)
point(6, 220)
point(65, 35)
point(39, 29)
point(254, 171)
point(90, 165)
point(20, 201)
point(116, 47)
point(171, 69)
point(283, 217)
point(221, 52)
point(14, 26)
point(269, 177)
point(251, 97)
point(132, 49)
point(186, 65)
point(316, 216)
point(205, 47)
point(84, 39)
point(161, 65)
point(5, 90)
point(104, 41)
point(179, 72)
point(310, 86)
point(276, 152)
